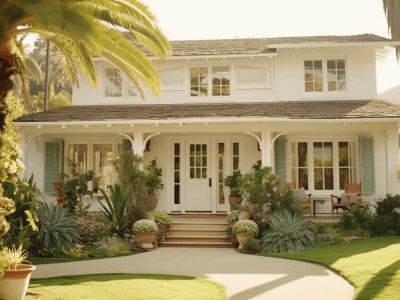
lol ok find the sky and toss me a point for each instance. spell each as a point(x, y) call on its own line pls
point(217, 19)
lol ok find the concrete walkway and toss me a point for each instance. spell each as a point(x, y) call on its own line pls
point(244, 276)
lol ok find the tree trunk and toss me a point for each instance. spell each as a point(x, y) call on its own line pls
point(7, 69)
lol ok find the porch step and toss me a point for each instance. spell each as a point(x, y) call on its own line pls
point(197, 230)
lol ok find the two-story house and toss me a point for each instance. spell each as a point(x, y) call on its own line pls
point(304, 105)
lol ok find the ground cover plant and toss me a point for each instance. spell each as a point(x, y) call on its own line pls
point(372, 265)
point(126, 286)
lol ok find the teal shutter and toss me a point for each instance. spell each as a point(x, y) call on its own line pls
point(53, 165)
point(367, 165)
point(280, 158)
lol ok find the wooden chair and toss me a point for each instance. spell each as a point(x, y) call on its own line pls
point(60, 196)
point(344, 204)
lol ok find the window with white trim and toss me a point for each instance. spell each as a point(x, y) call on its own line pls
point(113, 82)
point(325, 75)
point(323, 165)
point(210, 81)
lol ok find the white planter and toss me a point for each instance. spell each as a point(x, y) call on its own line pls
point(15, 282)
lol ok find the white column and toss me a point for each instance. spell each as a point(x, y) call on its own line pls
point(138, 143)
point(266, 148)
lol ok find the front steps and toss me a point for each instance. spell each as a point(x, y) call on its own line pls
point(197, 230)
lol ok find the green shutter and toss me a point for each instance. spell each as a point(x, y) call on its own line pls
point(280, 158)
point(126, 145)
point(53, 165)
point(367, 165)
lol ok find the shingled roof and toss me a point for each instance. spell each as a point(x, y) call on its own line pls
point(266, 45)
point(329, 110)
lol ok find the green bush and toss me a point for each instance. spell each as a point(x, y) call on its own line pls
point(161, 218)
point(57, 230)
point(287, 233)
point(387, 205)
point(385, 224)
point(233, 216)
point(356, 218)
point(326, 234)
point(251, 246)
point(91, 230)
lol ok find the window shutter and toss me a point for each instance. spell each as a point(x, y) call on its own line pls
point(367, 165)
point(53, 165)
point(126, 145)
point(280, 158)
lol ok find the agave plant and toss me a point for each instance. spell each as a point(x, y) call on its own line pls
point(57, 230)
point(287, 233)
point(114, 207)
point(12, 257)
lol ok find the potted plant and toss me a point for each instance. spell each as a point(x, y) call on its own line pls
point(146, 232)
point(17, 274)
point(153, 182)
point(163, 221)
point(243, 229)
point(233, 217)
point(233, 182)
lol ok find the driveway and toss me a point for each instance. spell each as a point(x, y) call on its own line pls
point(244, 276)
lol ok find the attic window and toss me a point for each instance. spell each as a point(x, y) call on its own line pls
point(210, 81)
point(325, 75)
point(113, 82)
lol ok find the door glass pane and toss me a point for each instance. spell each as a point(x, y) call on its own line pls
point(221, 172)
point(78, 155)
point(198, 161)
point(102, 165)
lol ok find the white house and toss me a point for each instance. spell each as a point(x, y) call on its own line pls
point(304, 105)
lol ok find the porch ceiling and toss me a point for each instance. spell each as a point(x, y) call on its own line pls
point(311, 110)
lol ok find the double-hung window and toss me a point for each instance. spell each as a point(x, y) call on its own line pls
point(323, 165)
point(213, 81)
point(325, 75)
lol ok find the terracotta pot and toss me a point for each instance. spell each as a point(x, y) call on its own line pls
point(146, 239)
point(233, 202)
point(153, 202)
point(242, 237)
point(244, 215)
point(15, 282)
point(230, 224)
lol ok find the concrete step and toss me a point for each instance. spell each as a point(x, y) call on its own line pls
point(196, 232)
point(198, 238)
point(197, 244)
point(198, 225)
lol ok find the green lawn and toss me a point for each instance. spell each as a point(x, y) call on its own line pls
point(372, 265)
point(126, 286)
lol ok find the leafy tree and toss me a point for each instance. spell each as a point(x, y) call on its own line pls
point(63, 98)
point(117, 30)
point(392, 11)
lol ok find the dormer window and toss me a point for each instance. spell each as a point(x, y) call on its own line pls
point(210, 81)
point(325, 75)
point(113, 82)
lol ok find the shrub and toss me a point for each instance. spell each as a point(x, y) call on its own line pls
point(326, 234)
point(233, 216)
point(251, 246)
point(161, 218)
point(57, 230)
point(287, 233)
point(112, 246)
point(388, 205)
point(357, 218)
point(384, 224)
point(245, 226)
point(91, 231)
point(144, 226)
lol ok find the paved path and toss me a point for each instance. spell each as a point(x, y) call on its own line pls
point(244, 276)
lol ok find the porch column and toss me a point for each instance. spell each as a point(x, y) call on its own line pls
point(266, 148)
point(392, 162)
point(138, 143)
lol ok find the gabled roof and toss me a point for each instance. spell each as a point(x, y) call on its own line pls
point(269, 45)
point(311, 110)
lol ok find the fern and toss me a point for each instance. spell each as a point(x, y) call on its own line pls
point(287, 233)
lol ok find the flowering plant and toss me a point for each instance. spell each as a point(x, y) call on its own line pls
point(233, 216)
point(245, 226)
point(91, 230)
point(144, 226)
point(161, 218)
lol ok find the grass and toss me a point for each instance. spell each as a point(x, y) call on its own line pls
point(372, 265)
point(125, 286)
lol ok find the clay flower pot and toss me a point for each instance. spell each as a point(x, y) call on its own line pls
point(15, 282)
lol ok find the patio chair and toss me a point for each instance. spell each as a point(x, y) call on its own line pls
point(60, 196)
point(352, 195)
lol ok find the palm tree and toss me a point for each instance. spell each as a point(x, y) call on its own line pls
point(392, 12)
point(120, 31)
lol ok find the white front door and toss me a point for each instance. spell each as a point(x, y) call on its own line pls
point(198, 194)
